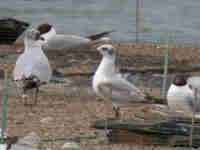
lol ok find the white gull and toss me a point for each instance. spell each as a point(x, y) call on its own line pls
point(32, 68)
point(53, 41)
point(111, 85)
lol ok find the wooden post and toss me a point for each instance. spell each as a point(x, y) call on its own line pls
point(139, 19)
point(4, 103)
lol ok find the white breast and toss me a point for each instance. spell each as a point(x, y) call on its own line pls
point(97, 80)
point(180, 98)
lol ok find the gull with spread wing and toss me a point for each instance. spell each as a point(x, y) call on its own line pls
point(53, 41)
point(110, 84)
point(32, 68)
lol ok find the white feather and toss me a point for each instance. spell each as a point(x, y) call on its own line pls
point(32, 62)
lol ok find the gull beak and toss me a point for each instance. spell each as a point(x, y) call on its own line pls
point(42, 38)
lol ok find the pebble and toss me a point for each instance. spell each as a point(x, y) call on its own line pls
point(71, 145)
point(32, 139)
point(46, 120)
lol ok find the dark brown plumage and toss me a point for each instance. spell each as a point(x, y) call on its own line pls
point(180, 79)
point(44, 28)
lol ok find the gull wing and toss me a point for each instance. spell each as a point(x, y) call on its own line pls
point(19, 67)
point(194, 82)
point(59, 42)
point(120, 90)
point(99, 35)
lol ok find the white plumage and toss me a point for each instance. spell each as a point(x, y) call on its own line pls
point(110, 84)
point(32, 66)
point(181, 97)
point(53, 41)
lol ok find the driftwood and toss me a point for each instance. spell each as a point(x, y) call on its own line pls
point(152, 128)
point(160, 70)
point(11, 29)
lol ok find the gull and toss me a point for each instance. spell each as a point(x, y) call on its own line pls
point(109, 84)
point(32, 67)
point(181, 94)
point(53, 41)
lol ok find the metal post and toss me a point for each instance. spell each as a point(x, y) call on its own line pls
point(193, 116)
point(139, 19)
point(4, 103)
point(165, 72)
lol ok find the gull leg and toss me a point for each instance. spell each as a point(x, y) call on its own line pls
point(36, 95)
point(24, 99)
point(19, 91)
point(116, 110)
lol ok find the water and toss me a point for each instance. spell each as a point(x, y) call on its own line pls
point(180, 17)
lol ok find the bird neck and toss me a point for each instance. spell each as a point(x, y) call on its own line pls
point(29, 44)
point(107, 65)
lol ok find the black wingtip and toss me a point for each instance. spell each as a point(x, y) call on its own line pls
point(99, 35)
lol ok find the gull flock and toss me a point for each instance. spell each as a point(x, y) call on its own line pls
point(32, 70)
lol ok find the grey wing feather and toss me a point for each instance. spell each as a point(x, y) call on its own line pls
point(191, 98)
point(194, 82)
point(59, 42)
point(18, 70)
point(120, 90)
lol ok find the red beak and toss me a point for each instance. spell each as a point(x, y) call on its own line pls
point(42, 38)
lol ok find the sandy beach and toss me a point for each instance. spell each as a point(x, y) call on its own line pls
point(71, 107)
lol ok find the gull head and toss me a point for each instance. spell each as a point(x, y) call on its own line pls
point(180, 80)
point(32, 34)
point(46, 32)
point(107, 50)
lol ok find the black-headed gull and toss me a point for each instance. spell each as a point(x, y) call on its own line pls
point(181, 94)
point(111, 85)
point(53, 41)
point(32, 68)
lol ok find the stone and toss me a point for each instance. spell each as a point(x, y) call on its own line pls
point(32, 139)
point(71, 145)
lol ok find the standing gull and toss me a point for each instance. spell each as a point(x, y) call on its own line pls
point(53, 41)
point(181, 94)
point(32, 68)
point(111, 85)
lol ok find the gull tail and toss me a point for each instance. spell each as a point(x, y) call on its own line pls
point(99, 35)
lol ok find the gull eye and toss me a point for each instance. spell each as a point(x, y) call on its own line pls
point(104, 49)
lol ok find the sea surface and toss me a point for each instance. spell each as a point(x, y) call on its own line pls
point(175, 21)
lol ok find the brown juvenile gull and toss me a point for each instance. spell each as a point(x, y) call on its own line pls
point(53, 41)
point(32, 68)
point(111, 85)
